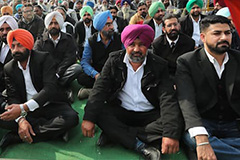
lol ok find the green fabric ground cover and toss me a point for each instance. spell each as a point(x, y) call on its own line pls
point(78, 147)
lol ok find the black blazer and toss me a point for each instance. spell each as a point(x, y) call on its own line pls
point(80, 35)
point(121, 24)
point(162, 48)
point(7, 59)
point(155, 85)
point(187, 25)
point(43, 76)
point(196, 85)
point(150, 22)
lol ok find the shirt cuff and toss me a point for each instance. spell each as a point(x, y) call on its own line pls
point(94, 73)
point(32, 105)
point(195, 131)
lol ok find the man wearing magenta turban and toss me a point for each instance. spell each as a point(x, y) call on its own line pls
point(133, 99)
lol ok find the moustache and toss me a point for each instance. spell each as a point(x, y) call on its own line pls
point(223, 42)
point(136, 54)
point(174, 30)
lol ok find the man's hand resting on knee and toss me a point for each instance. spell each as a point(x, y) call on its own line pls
point(169, 145)
point(88, 128)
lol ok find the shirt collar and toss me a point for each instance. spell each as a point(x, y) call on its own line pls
point(99, 37)
point(170, 41)
point(57, 40)
point(213, 60)
point(194, 20)
point(87, 26)
point(155, 23)
point(27, 66)
point(126, 60)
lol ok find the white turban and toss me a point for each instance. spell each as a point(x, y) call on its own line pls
point(10, 21)
point(50, 16)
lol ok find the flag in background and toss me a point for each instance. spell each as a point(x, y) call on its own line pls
point(234, 7)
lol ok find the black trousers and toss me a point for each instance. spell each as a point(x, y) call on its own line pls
point(123, 126)
point(48, 122)
point(70, 75)
point(85, 80)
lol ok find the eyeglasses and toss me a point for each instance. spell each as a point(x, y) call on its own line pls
point(113, 12)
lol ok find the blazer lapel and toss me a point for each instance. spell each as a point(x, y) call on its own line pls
point(207, 68)
point(230, 68)
point(20, 81)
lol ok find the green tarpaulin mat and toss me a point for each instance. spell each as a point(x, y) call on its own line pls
point(77, 148)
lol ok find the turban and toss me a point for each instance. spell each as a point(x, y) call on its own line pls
point(101, 19)
point(118, 1)
point(6, 9)
point(91, 4)
point(154, 8)
point(10, 21)
point(85, 9)
point(23, 36)
point(142, 31)
point(57, 16)
point(123, 1)
point(18, 6)
point(224, 12)
point(191, 3)
point(220, 2)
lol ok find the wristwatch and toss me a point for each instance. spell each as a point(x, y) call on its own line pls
point(23, 112)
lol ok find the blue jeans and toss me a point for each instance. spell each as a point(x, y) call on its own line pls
point(224, 137)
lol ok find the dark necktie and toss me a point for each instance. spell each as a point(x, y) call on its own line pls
point(173, 45)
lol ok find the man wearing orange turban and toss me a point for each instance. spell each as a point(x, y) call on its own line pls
point(6, 10)
point(33, 93)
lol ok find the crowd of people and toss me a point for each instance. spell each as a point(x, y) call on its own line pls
point(156, 74)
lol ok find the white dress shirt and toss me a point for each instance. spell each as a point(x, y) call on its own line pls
point(131, 95)
point(115, 25)
point(170, 41)
point(196, 32)
point(158, 29)
point(31, 91)
point(88, 32)
point(219, 69)
point(4, 52)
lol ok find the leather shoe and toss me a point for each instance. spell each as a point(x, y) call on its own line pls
point(83, 93)
point(103, 140)
point(9, 139)
point(151, 153)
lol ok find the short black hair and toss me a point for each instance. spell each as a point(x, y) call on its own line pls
point(169, 16)
point(141, 4)
point(27, 5)
point(112, 7)
point(213, 19)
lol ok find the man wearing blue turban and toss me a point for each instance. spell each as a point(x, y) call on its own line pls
point(190, 24)
point(96, 51)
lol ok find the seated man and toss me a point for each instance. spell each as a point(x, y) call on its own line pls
point(96, 51)
point(133, 99)
point(7, 23)
point(61, 47)
point(208, 85)
point(172, 43)
point(35, 103)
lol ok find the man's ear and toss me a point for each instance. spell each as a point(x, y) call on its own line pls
point(163, 29)
point(202, 36)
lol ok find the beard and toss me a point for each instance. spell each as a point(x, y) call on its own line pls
point(108, 34)
point(4, 38)
point(173, 34)
point(159, 18)
point(219, 49)
point(144, 14)
point(136, 57)
point(87, 20)
point(21, 56)
point(114, 17)
point(104, 8)
point(125, 9)
point(54, 31)
point(195, 14)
